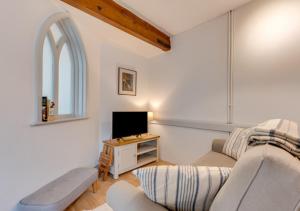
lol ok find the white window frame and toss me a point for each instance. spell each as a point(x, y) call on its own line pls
point(72, 39)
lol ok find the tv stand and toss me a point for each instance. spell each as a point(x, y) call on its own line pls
point(133, 153)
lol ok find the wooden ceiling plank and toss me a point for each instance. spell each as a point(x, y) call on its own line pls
point(118, 16)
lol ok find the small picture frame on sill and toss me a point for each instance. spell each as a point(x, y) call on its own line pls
point(127, 81)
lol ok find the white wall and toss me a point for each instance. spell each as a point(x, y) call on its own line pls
point(266, 61)
point(32, 156)
point(184, 145)
point(111, 58)
point(189, 83)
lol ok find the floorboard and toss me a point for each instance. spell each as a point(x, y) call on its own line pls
point(90, 200)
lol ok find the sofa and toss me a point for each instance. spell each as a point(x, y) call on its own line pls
point(265, 178)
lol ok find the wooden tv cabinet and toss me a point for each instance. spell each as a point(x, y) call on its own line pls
point(133, 152)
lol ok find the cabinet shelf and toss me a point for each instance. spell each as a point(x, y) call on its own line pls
point(145, 149)
point(147, 157)
point(146, 160)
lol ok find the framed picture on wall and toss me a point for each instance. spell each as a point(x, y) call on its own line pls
point(127, 81)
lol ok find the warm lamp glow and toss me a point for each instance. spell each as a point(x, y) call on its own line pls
point(150, 116)
point(273, 25)
point(155, 104)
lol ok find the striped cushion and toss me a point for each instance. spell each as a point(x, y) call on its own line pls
point(237, 143)
point(182, 187)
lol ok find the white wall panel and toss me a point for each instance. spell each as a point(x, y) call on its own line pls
point(266, 61)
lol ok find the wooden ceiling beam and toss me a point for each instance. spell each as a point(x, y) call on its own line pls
point(111, 12)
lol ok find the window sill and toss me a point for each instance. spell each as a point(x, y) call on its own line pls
point(57, 121)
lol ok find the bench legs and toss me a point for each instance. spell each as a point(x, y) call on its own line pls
point(95, 186)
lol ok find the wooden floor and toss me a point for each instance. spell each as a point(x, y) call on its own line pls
point(90, 200)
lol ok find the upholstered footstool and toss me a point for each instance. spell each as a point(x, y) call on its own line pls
point(60, 193)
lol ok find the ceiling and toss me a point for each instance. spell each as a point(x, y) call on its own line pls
point(170, 16)
point(176, 16)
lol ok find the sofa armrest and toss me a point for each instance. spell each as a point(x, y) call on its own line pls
point(217, 145)
point(124, 197)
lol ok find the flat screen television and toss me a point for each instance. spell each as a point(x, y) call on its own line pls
point(129, 123)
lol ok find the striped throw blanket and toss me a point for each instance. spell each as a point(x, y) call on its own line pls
point(279, 132)
point(184, 188)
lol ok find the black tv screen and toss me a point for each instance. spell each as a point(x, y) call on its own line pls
point(129, 123)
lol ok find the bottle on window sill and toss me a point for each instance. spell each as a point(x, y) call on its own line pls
point(51, 110)
point(44, 109)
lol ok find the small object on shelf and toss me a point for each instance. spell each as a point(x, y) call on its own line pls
point(51, 107)
point(105, 160)
point(51, 110)
point(44, 109)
